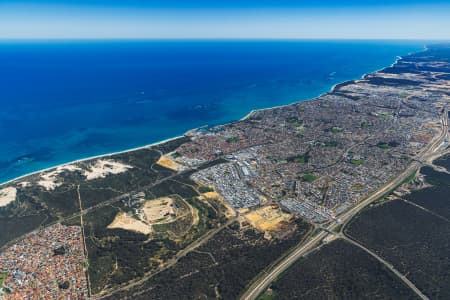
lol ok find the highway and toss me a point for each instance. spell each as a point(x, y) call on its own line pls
point(84, 211)
point(260, 286)
point(266, 278)
point(194, 245)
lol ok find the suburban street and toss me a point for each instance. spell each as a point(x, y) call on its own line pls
point(263, 282)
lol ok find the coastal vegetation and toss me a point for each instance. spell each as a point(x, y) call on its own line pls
point(171, 145)
point(342, 271)
point(205, 216)
point(413, 240)
point(435, 197)
point(117, 256)
point(222, 267)
point(15, 226)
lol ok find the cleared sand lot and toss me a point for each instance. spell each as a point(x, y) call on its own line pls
point(169, 163)
point(268, 218)
point(159, 211)
point(156, 211)
point(124, 221)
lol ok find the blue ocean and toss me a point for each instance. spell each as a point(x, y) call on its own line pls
point(67, 100)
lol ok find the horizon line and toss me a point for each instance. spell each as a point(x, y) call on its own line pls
point(219, 39)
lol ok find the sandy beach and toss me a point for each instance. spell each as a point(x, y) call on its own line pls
point(180, 136)
point(63, 165)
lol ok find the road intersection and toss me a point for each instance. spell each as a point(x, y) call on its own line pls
point(433, 150)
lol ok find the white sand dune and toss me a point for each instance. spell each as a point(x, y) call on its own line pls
point(99, 169)
point(50, 180)
point(102, 168)
point(7, 195)
point(24, 184)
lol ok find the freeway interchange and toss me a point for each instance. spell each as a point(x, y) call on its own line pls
point(266, 278)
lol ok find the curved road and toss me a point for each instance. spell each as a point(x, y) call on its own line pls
point(263, 282)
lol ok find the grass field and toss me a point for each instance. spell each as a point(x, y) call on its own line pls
point(3, 277)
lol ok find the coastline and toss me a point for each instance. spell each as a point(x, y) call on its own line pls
point(331, 90)
point(333, 87)
point(89, 158)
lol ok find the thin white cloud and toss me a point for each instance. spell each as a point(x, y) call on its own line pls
point(413, 22)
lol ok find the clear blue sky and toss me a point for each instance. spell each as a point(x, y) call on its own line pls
point(370, 19)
